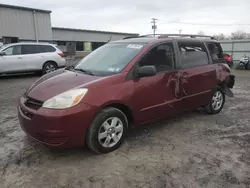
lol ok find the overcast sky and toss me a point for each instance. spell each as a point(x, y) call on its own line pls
point(135, 15)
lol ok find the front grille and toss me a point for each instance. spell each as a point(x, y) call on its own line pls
point(33, 103)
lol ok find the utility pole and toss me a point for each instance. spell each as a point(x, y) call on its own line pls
point(154, 26)
point(180, 31)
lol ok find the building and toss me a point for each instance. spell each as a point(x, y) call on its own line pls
point(21, 24)
point(236, 48)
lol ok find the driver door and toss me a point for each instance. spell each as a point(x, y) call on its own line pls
point(158, 96)
point(11, 61)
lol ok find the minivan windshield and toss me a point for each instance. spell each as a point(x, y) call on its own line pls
point(109, 59)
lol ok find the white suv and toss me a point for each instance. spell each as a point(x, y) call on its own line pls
point(30, 57)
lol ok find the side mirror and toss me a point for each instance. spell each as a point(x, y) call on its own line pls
point(146, 71)
point(2, 53)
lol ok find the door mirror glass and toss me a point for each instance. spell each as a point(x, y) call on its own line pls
point(146, 71)
point(2, 53)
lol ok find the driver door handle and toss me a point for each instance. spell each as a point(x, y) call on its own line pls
point(19, 58)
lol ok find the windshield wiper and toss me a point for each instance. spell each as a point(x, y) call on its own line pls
point(85, 71)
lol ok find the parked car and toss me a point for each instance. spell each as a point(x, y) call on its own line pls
point(126, 83)
point(30, 57)
point(245, 62)
point(229, 59)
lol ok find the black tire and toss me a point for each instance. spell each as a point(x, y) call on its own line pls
point(209, 108)
point(92, 139)
point(48, 67)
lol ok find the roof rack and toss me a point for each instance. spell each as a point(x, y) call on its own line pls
point(139, 36)
point(170, 35)
point(185, 35)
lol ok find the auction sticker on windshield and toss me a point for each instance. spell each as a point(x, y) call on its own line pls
point(135, 46)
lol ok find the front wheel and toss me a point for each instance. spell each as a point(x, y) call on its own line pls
point(107, 131)
point(217, 102)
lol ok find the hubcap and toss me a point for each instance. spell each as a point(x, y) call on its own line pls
point(110, 132)
point(50, 68)
point(217, 100)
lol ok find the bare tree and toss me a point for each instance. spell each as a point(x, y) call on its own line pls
point(220, 36)
point(200, 33)
point(239, 35)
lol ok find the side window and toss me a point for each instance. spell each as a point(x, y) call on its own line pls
point(215, 51)
point(13, 50)
point(192, 54)
point(30, 49)
point(47, 48)
point(161, 56)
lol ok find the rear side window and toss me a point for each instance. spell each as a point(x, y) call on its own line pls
point(192, 54)
point(30, 49)
point(35, 49)
point(47, 48)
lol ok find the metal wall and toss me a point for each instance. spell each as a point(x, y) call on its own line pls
point(236, 48)
point(84, 35)
point(20, 23)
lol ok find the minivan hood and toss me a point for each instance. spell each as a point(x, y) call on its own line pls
point(58, 82)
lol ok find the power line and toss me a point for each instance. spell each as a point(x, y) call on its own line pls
point(190, 23)
point(154, 26)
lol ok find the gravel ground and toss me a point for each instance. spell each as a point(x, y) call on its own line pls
point(192, 150)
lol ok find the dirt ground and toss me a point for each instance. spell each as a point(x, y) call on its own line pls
point(192, 150)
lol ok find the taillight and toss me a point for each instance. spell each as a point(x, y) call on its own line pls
point(61, 54)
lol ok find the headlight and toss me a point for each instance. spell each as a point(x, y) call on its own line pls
point(66, 100)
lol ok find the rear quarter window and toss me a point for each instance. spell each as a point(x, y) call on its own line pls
point(47, 48)
point(215, 51)
point(192, 54)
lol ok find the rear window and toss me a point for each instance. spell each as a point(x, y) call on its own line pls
point(192, 54)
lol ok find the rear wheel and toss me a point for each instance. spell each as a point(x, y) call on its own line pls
point(217, 102)
point(49, 67)
point(107, 131)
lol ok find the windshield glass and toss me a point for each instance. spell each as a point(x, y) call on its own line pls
point(109, 59)
point(4, 46)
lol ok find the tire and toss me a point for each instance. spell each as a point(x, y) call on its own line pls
point(217, 101)
point(102, 136)
point(49, 67)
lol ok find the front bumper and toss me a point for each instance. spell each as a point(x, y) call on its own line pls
point(56, 128)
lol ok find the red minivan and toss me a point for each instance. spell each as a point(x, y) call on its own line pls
point(125, 83)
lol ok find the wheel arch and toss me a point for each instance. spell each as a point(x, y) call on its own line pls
point(50, 61)
point(125, 109)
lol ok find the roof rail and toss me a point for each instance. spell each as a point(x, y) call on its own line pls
point(170, 35)
point(185, 35)
point(139, 36)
